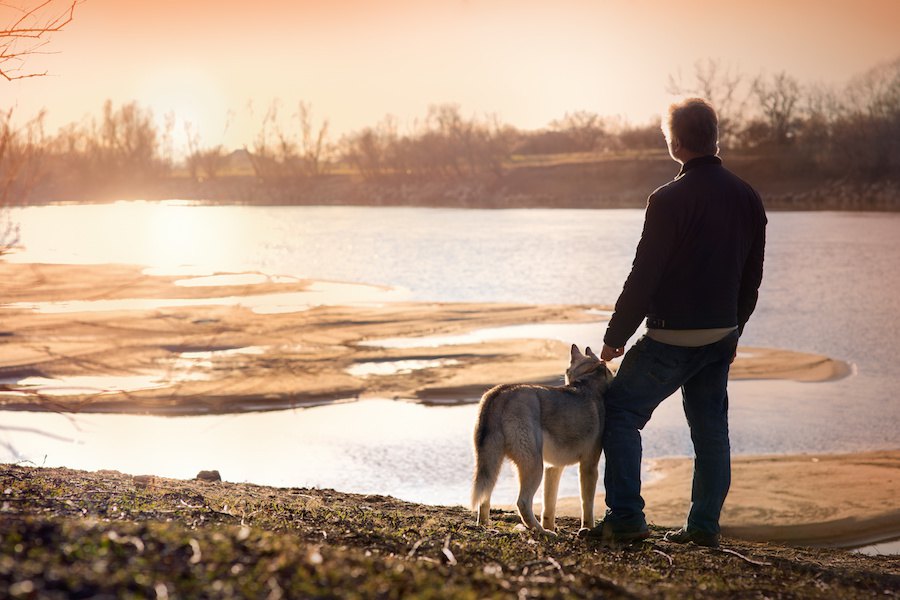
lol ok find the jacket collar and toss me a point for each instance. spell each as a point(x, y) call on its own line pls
point(698, 162)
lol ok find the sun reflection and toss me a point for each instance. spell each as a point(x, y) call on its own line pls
point(178, 235)
point(168, 237)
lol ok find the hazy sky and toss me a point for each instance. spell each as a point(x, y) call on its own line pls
point(355, 61)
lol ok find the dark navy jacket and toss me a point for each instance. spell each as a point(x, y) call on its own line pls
point(699, 262)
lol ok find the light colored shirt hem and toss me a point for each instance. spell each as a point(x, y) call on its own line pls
point(689, 338)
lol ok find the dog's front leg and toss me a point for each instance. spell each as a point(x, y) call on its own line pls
point(587, 478)
point(551, 490)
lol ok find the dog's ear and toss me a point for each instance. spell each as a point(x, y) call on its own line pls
point(589, 352)
point(575, 352)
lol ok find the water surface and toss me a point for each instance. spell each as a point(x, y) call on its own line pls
point(831, 287)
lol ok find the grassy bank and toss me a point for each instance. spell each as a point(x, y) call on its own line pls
point(73, 534)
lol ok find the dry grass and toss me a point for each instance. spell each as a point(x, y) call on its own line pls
point(72, 534)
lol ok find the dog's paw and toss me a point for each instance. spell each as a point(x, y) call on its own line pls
point(536, 531)
point(549, 533)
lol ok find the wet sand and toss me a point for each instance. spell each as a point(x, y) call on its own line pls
point(846, 500)
point(205, 346)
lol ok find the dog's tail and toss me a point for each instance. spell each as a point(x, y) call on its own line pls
point(489, 445)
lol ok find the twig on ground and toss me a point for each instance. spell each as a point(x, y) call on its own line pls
point(556, 565)
point(542, 565)
point(669, 558)
point(604, 582)
point(527, 566)
point(742, 557)
point(415, 547)
point(451, 560)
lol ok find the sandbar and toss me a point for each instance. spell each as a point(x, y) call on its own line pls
point(116, 338)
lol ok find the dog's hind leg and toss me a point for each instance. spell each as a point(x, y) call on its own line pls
point(530, 473)
point(489, 455)
point(484, 513)
point(551, 490)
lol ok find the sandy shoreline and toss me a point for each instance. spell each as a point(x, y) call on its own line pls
point(66, 344)
point(845, 500)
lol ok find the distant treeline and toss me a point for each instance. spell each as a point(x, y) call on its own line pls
point(813, 133)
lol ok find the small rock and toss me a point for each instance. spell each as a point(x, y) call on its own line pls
point(142, 481)
point(208, 476)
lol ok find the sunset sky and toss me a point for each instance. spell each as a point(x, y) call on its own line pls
point(356, 61)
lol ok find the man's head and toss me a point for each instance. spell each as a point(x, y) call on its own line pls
point(691, 128)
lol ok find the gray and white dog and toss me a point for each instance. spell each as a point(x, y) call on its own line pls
point(542, 429)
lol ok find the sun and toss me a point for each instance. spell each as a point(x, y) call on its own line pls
point(188, 105)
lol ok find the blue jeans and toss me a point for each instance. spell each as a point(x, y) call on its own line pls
point(650, 372)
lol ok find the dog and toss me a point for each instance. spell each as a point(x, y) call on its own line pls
point(542, 429)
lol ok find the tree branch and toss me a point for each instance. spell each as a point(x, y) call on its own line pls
point(30, 26)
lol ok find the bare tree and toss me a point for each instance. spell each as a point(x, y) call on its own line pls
point(449, 137)
point(126, 143)
point(459, 147)
point(868, 135)
point(289, 151)
point(312, 143)
point(641, 138)
point(22, 148)
point(28, 31)
point(204, 163)
point(365, 151)
point(21, 155)
point(121, 150)
point(778, 100)
point(876, 92)
point(821, 112)
point(444, 146)
point(722, 86)
point(583, 130)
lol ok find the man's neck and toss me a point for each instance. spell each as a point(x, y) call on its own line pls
point(683, 155)
point(703, 159)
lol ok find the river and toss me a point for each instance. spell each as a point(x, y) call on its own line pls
point(831, 287)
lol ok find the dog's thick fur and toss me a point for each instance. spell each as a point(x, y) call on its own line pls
point(542, 429)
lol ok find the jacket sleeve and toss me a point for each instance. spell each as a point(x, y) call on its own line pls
point(751, 278)
point(650, 260)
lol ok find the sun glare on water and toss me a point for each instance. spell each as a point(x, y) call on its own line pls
point(171, 237)
point(175, 234)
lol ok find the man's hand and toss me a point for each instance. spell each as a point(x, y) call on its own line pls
point(608, 353)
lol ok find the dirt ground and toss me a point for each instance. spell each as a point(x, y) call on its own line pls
point(74, 534)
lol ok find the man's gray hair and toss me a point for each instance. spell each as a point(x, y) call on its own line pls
point(693, 122)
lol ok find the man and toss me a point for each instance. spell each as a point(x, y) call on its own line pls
point(695, 277)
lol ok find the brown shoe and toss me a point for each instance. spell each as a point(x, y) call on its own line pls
point(604, 533)
point(693, 536)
